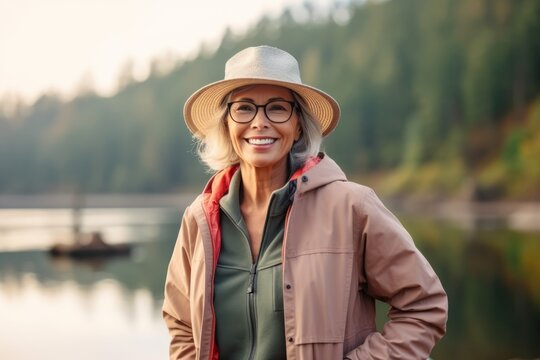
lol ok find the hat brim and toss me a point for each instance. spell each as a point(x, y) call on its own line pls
point(204, 105)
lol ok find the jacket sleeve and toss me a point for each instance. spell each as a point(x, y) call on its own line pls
point(176, 305)
point(397, 273)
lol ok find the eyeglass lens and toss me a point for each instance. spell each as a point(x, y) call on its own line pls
point(245, 111)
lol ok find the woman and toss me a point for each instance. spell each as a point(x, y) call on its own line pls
point(281, 257)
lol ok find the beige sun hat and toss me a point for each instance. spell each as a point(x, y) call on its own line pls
point(258, 65)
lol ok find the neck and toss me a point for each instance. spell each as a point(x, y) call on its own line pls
point(259, 183)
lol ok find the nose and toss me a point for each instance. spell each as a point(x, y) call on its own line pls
point(260, 120)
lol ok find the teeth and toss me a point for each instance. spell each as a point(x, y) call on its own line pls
point(261, 141)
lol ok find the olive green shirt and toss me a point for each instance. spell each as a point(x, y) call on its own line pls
point(248, 300)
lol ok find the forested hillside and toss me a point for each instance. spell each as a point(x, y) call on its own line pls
point(438, 97)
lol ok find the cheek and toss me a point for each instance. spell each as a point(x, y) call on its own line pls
point(234, 137)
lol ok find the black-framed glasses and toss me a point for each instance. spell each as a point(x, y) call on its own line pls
point(277, 111)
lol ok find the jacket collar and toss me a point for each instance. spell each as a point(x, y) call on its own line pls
point(316, 172)
point(230, 202)
point(324, 172)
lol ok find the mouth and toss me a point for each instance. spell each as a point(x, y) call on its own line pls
point(261, 141)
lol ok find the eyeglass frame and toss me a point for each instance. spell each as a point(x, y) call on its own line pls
point(294, 106)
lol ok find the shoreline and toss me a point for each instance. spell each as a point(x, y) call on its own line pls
point(516, 215)
point(89, 201)
point(519, 215)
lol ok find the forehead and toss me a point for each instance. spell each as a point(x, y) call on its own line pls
point(262, 92)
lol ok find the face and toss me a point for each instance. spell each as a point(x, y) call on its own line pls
point(262, 143)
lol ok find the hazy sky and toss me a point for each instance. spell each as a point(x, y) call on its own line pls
point(56, 45)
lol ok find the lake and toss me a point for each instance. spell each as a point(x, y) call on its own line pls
point(110, 308)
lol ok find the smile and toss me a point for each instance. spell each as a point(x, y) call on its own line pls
point(261, 141)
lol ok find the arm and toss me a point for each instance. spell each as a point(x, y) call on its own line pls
point(398, 274)
point(176, 306)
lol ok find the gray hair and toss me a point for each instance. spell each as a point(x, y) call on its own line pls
point(216, 150)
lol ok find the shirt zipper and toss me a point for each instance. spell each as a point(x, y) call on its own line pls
point(252, 285)
point(251, 304)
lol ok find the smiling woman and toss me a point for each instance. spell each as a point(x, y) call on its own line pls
point(280, 256)
point(262, 139)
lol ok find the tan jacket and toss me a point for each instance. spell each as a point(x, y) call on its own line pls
point(342, 249)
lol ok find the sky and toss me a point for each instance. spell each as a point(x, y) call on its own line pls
point(62, 46)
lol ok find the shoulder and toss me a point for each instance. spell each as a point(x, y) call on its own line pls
point(339, 190)
point(361, 200)
point(191, 228)
point(193, 213)
point(327, 182)
point(352, 188)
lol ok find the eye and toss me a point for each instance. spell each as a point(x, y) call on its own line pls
point(243, 107)
point(278, 106)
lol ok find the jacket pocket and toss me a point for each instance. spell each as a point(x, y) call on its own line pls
point(321, 284)
point(277, 288)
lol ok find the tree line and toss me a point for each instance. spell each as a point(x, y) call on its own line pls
point(437, 96)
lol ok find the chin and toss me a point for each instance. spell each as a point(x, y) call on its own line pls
point(263, 162)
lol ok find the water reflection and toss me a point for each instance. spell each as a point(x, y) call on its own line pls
point(95, 309)
point(492, 280)
point(108, 309)
point(67, 321)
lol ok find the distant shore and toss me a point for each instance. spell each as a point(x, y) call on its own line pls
point(517, 215)
point(55, 201)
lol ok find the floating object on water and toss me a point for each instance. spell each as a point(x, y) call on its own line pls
point(92, 245)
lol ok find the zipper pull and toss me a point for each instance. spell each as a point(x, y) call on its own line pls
point(251, 284)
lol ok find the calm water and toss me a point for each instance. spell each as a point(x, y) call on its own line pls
point(110, 309)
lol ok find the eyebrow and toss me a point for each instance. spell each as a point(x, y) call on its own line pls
point(269, 100)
